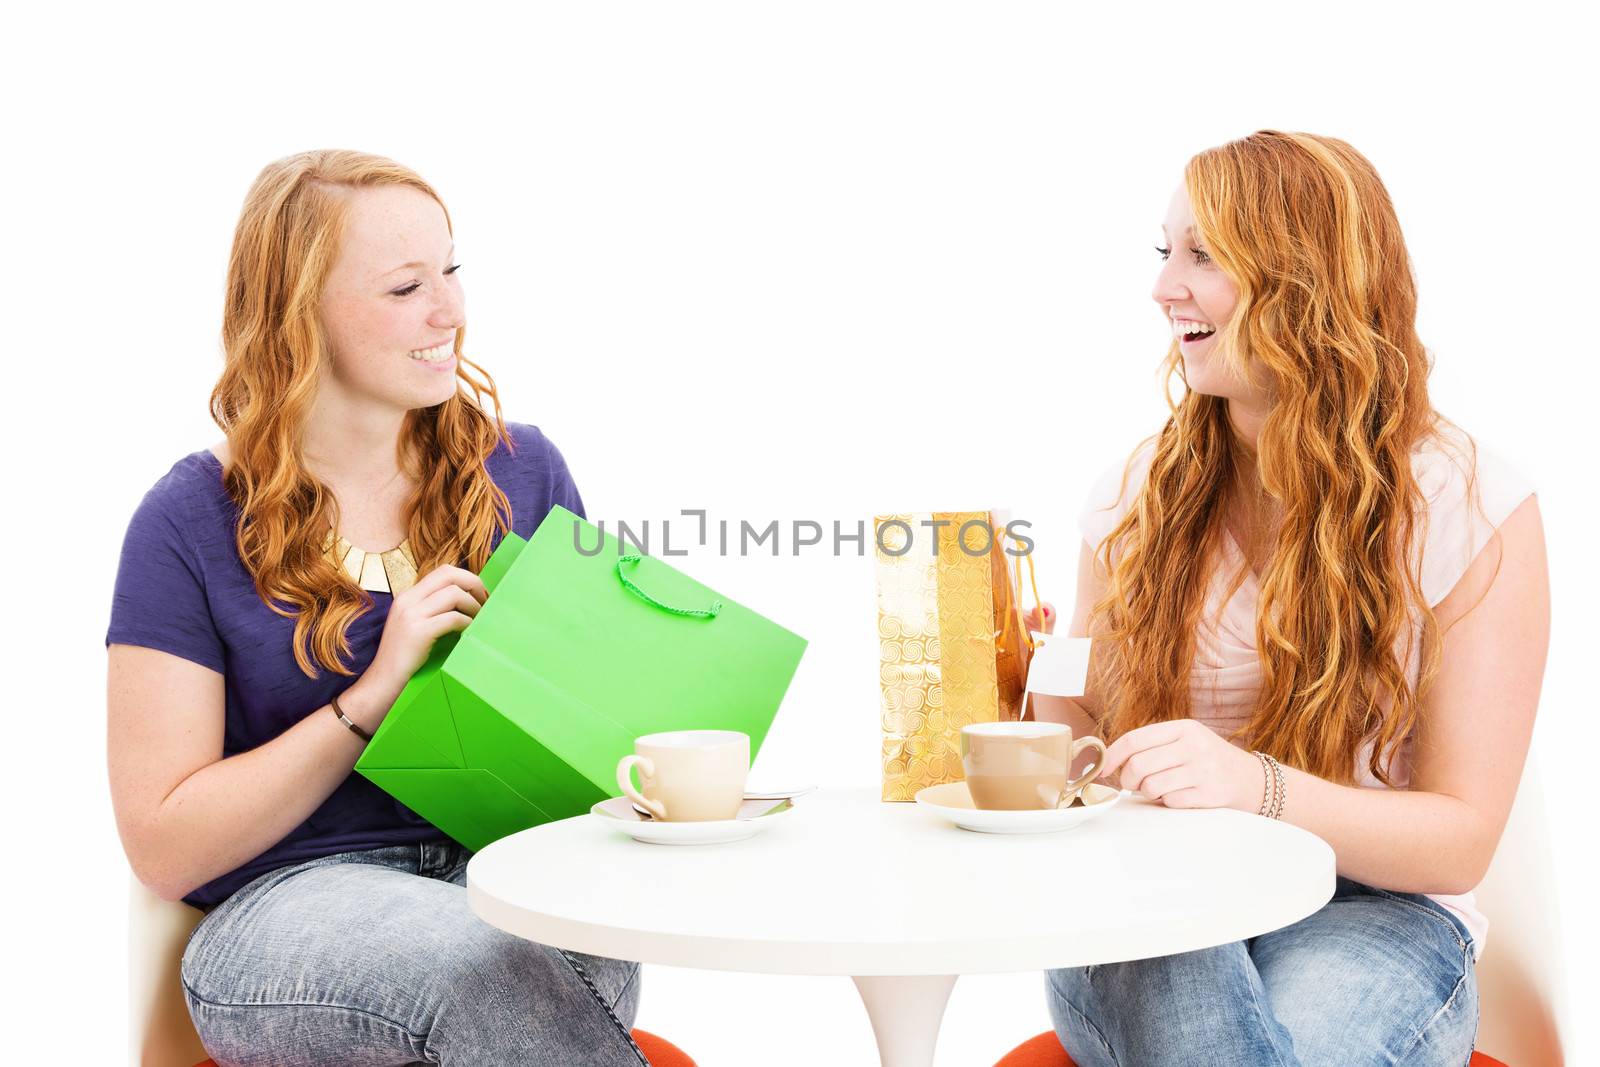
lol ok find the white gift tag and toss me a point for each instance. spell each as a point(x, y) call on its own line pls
point(1060, 666)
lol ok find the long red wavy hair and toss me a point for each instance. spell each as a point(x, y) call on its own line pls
point(1326, 314)
point(275, 350)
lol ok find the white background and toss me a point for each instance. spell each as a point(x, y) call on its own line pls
point(811, 261)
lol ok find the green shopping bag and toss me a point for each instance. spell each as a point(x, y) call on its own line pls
point(521, 718)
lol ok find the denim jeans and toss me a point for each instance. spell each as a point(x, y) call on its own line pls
point(373, 958)
point(1374, 977)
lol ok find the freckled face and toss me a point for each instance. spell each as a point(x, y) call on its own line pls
point(1191, 288)
point(393, 296)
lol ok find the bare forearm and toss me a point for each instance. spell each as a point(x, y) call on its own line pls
point(1072, 712)
point(228, 812)
point(1408, 842)
point(1396, 839)
point(1062, 709)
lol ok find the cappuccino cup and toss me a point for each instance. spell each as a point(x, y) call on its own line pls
point(1020, 766)
point(688, 775)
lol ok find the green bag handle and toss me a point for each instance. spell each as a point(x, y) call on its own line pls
point(634, 557)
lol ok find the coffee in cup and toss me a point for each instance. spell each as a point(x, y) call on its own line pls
point(1019, 766)
point(688, 775)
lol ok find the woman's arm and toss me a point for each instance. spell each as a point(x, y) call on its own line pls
point(1472, 739)
point(1082, 712)
point(1472, 736)
point(185, 814)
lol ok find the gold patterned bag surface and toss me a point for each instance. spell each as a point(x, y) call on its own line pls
point(952, 647)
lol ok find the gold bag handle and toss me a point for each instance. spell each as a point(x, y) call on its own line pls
point(1015, 577)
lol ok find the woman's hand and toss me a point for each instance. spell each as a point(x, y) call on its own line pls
point(446, 599)
point(1186, 764)
point(1049, 624)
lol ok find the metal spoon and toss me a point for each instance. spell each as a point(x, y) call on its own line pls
point(782, 794)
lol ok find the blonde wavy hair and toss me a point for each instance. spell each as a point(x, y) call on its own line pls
point(275, 350)
point(1326, 318)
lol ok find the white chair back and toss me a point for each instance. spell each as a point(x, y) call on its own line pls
point(1522, 1008)
point(160, 1032)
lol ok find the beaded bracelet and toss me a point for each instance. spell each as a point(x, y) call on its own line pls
point(1283, 792)
point(1273, 790)
point(1266, 783)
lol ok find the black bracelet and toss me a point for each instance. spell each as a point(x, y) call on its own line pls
point(337, 710)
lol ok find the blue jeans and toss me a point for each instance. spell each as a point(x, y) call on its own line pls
point(1374, 977)
point(373, 958)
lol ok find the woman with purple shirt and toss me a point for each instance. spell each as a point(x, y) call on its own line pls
point(274, 595)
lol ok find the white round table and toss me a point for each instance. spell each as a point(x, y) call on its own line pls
point(901, 900)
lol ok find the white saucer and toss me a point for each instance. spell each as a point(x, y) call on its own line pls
point(754, 816)
point(952, 801)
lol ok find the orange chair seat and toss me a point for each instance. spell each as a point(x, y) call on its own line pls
point(658, 1050)
point(661, 1052)
point(1046, 1051)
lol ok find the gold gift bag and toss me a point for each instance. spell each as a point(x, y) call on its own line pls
point(952, 645)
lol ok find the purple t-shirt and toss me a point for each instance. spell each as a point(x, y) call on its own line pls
point(182, 588)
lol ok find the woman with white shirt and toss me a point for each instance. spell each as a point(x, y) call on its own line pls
point(1313, 598)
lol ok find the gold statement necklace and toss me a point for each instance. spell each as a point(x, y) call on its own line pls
point(391, 572)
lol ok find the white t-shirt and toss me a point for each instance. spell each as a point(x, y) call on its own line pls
point(1226, 674)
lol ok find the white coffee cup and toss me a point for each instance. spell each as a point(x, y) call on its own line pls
point(688, 775)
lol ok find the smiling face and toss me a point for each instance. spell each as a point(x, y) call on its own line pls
point(1198, 300)
point(392, 302)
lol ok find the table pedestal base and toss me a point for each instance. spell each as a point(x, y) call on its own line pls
point(906, 1012)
